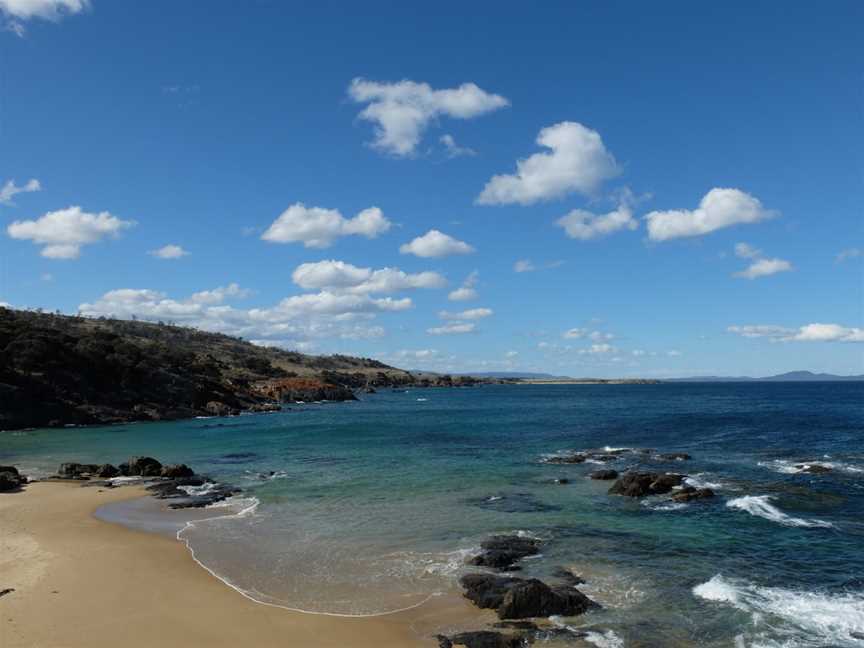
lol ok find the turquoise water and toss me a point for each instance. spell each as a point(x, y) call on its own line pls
point(374, 505)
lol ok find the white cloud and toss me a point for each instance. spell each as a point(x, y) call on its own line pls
point(511, 354)
point(585, 225)
point(764, 268)
point(19, 10)
point(338, 276)
point(402, 111)
point(594, 336)
point(807, 333)
point(575, 333)
point(747, 251)
point(577, 162)
point(719, 208)
point(467, 291)
point(470, 314)
point(435, 244)
point(169, 251)
point(317, 227)
point(294, 321)
point(845, 255)
point(598, 349)
point(64, 232)
point(9, 190)
point(453, 149)
point(455, 328)
point(523, 265)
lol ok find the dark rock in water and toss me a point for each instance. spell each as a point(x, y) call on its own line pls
point(640, 484)
point(144, 467)
point(674, 456)
point(566, 459)
point(517, 598)
point(487, 591)
point(530, 626)
point(176, 490)
point(604, 474)
point(689, 493)
point(169, 489)
point(561, 481)
point(106, 471)
point(502, 552)
point(9, 481)
point(534, 598)
point(603, 457)
point(814, 469)
point(487, 639)
point(177, 470)
point(568, 576)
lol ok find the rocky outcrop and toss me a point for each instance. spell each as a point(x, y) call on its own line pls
point(173, 471)
point(141, 467)
point(517, 598)
point(71, 470)
point(604, 474)
point(575, 458)
point(640, 484)
point(503, 551)
point(674, 456)
point(303, 389)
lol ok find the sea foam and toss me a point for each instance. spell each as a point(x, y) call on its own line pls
point(785, 617)
point(760, 506)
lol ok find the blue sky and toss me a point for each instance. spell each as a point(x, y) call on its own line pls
point(679, 184)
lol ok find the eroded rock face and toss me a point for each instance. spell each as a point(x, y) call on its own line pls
point(503, 551)
point(640, 484)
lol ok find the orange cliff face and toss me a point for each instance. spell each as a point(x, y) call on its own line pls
point(301, 389)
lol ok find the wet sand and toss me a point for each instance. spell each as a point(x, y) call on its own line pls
point(80, 581)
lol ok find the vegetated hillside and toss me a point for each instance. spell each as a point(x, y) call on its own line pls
point(59, 370)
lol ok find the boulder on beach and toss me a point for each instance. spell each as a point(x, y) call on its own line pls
point(10, 479)
point(72, 470)
point(690, 493)
point(144, 467)
point(604, 474)
point(503, 551)
point(107, 471)
point(640, 484)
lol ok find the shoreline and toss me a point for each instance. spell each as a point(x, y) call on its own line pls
point(81, 581)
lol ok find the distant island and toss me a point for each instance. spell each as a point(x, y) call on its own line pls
point(790, 376)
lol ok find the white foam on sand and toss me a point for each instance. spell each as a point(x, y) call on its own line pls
point(760, 506)
point(785, 617)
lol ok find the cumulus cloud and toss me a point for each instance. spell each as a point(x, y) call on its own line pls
point(467, 291)
point(849, 253)
point(294, 321)
point(760, 266)
point(807, 333)
point(470, 314)
point(62, 233)
point(169, 251)
point(317, 227)
point(338, 276)
point(576, 162)
point(456, 328)
point(719, 208)
point(764, 268)
point(594, 336)
point(17, 11)
point(453, 150)
point(585, 225)
point(435, 244)
point(9, 190)
point(401, 111)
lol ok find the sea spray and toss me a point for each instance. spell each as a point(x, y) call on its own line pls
point(760, 506)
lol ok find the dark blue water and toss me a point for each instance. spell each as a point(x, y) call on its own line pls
point(374, 505)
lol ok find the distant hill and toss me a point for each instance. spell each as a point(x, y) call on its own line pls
point(58, 370)
point(791, 376)
point(522, 375)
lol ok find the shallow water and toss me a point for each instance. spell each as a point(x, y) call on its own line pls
point(373, 506)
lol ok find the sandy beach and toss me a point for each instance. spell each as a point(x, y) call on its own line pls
point(79, 581)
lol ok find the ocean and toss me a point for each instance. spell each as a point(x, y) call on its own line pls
point(368, 507)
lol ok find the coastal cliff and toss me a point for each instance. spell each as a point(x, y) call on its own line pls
point(58, 370)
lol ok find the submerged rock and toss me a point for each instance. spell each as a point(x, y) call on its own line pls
point(674, 456)
point(568, 576)
point(689, 493)
point(814, 469)
point(503, 551)
point(604, 474)
point(640, 484)
point(576, 458)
